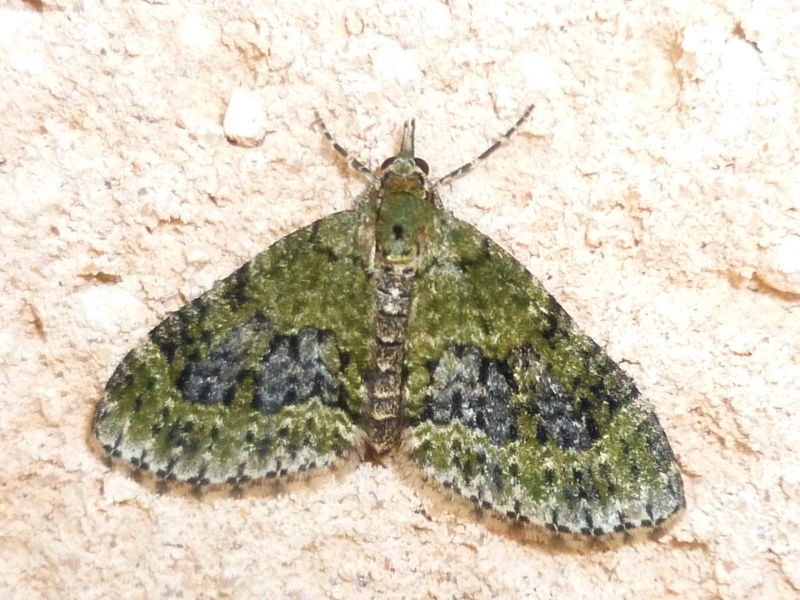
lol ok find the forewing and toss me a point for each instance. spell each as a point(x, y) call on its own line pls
point(260, 377)
point(513, 408)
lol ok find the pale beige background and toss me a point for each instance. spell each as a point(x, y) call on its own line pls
point(650, 192)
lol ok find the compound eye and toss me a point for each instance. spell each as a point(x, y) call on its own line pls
point(423, 166)
point(388, 163)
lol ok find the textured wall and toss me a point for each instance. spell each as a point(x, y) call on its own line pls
point(654, 192)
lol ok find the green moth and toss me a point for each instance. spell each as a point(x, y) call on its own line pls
point(396, 332)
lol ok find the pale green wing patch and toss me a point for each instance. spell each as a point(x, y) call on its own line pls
point(516, 410)
point(260, 377)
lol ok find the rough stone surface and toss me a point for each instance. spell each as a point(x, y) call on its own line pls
point(642, 192)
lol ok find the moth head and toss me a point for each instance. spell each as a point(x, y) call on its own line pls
point(406, 173)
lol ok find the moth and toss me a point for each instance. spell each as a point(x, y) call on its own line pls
point(395, 332)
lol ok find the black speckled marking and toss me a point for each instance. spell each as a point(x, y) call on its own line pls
point(294, 372)
point(474, 390)
point(558, 420)
point(291, 371)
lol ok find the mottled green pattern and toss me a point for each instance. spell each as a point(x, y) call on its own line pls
point(621, 474)
point(315, 278)
point(396, 329)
